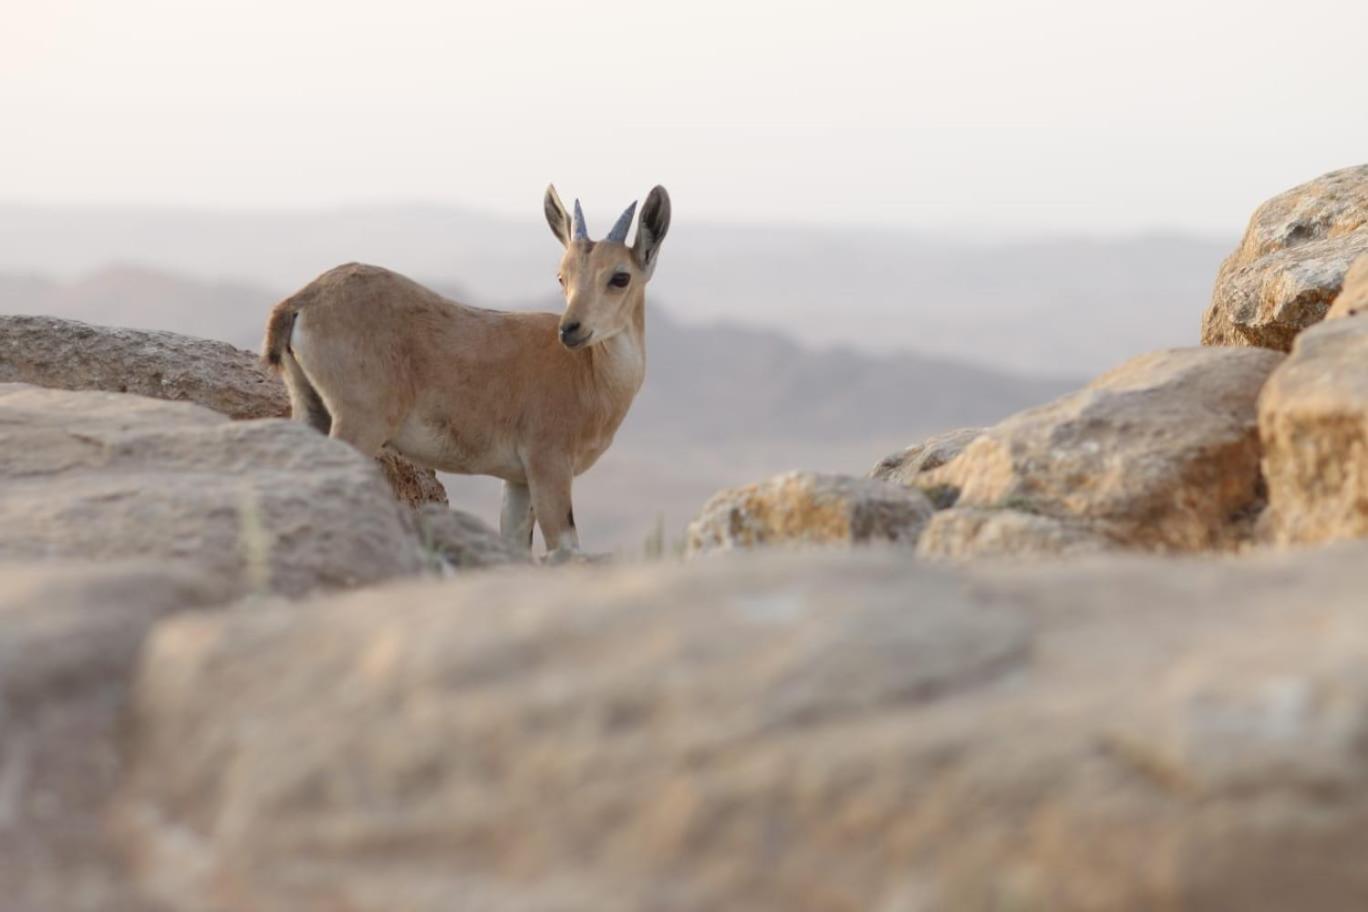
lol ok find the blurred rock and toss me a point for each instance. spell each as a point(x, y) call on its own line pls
point(1313, 418)
point(463, 540)
point(819, 731)
point(259, 506)
point(907, 467)
point(977, 532)
point(69, 634)
point(1291, 263)
point(1353, 297)
point(806, 508)
point(66, 354)
point(1161, 453)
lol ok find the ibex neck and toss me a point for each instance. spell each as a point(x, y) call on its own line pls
point(618, 366)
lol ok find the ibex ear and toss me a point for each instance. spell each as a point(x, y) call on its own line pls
point(556, 216)
point(651, 228)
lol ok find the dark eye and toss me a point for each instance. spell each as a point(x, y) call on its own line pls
point(560, 278)
point(620, 279)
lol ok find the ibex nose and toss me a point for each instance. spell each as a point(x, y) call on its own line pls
point(568, 330)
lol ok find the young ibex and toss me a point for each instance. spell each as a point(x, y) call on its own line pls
point(371, 357)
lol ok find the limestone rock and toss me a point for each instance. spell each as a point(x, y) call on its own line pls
point(1313, 418)
point(975, 532)
point(1353, 297)
point(1291, 263)
point(66, 354)
point(68, 638)
point(259, 506)
point(805, 508)
point(465, 541)
point(1160, 453)
point(822, 731)
point(907, 467)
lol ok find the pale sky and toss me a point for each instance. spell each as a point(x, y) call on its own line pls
point(1053, 116)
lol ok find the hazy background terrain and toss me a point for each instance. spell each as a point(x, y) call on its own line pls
point(889, 220)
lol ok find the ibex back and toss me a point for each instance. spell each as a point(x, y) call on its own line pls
point(371, 357)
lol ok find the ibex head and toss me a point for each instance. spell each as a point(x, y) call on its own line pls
point(604, 280)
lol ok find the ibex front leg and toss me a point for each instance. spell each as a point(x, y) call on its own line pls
point(516, 520)
point(550, 482)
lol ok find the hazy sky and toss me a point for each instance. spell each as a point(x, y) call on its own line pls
point(1052, 115)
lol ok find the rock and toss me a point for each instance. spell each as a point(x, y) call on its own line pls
point(1291, 263)
point(830, 730)
point(1160, 453)
point(465, 541)
point(907, 467)
point(1353, 297)
point(805, 508)
point(977, 532)
point(1313, 419)
point(68, 638)
point(66, 354)
point(259, 506)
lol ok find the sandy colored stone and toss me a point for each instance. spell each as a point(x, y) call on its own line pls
point(907, 467)
point(464, 541)
point(69, 634)
point(1313, 418)
point(976, 532)
point(67, 354)
point(258, 506)
point(1291, 263)
point(1160, 453)
point(806, 508)
point(834, 730)
point(1353, 297)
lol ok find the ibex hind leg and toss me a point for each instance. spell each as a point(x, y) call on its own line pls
point(305, 403)
point(516, 519)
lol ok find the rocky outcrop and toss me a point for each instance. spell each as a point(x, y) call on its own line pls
point(1161, 453)
point(65, 354)
point(1353, 297)
point(1291, 263)
point(258, 506)
point(818, 731)
point(981, 533)
point(68, 638)
point(805, 508)
point(1313, 418)
point(907, 467)
point(464, 541)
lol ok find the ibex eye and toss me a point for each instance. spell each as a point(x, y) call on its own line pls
point(560, 278)
point(620, 279)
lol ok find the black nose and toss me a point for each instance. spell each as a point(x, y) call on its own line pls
point(569, 329)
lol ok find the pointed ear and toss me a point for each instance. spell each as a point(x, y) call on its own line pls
point(651, 228)
point(556, 216)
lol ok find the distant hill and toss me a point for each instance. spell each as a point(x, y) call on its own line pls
point(722, 404)
point(1060, 307)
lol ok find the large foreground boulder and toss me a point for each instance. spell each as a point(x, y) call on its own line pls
point(66, 354)
point(1313, 417)
point(69, 634)
point(819, 731)
point(1161, 453)
point(806, 508)
point(964, 533)
point(907, 466)
point(259, 506)
point(1291, 263)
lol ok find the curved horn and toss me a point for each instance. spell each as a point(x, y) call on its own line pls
point(624, 222)
point(581, 229)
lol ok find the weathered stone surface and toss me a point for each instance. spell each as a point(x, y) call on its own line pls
point(260, 506)
point(976, 532)
point(907, 467)
point(1353, 297)
point(818, 731)
point(1291, 263)
point(1313, 418)
point(464, 541)
point(68, 638)
point(1161, 453)
point(806, 508)
point(66, 354)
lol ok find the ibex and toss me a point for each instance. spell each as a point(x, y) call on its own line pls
point(371, 357)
